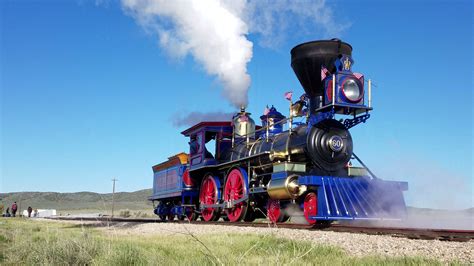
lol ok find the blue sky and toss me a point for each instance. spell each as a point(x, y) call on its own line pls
point(88, 94)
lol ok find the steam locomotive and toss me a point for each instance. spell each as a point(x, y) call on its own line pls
point(300, 165)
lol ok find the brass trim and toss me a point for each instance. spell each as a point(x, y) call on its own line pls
point(284, 188)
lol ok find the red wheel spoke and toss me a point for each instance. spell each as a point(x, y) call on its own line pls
point(234, 190)
point(239, 183)
point(274, 212)
point(208, 196)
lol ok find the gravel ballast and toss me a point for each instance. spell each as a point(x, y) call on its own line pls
point(354, 244)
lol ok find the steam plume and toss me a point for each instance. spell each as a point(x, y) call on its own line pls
point(215, 32)
point(211, 31)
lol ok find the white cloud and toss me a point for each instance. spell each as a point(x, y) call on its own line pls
point(273, 20)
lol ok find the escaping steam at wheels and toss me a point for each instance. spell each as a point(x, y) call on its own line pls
point(303, 161)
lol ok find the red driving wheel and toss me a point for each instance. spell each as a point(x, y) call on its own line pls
point(208, 195)
point(235, 189)
point(274, 212)
point(310, 207)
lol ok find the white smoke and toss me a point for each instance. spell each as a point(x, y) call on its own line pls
point(215, 32)
point(211, 31)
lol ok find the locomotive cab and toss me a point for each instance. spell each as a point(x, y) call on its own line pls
point(201, 152)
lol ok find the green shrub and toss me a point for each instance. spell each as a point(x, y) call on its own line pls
point(125, 213)
point(3, 239)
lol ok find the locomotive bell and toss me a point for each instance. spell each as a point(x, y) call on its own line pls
point(243, 124)
point(297, 108)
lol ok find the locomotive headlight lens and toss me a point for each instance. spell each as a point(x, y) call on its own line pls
point(351, 90)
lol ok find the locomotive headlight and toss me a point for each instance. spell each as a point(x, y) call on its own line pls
point(352, 90)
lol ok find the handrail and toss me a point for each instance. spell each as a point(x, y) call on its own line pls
point(370, 93)
point(265, 127)
point(365, 166)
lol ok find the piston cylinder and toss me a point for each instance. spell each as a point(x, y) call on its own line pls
point(285, 188)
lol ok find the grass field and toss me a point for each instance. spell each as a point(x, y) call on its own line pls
point(24, 241)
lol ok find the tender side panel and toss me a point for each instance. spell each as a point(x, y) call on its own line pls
point(167, 177)
point(168, 182)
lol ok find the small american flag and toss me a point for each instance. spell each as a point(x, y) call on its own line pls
point(324, 72)
point(358, 75)
point(266, 111)
point(288, 95)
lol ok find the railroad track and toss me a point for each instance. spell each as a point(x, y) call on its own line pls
point(411, 233)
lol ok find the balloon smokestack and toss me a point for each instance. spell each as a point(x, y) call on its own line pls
point(308, 58)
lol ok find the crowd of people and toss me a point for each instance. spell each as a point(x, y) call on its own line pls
point(12, 211)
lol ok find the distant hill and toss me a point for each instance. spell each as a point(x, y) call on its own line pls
point(79, 201)
point(429, 211)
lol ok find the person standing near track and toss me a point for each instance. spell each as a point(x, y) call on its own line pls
point(14, 209)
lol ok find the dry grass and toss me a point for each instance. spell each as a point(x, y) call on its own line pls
point(28, 242)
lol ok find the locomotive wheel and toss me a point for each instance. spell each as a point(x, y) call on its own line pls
point(162, 217)
point(235, 189)
point(310, 207)
point(208, 195)
point(171, 217)
point(190, 214)
point(274, 212)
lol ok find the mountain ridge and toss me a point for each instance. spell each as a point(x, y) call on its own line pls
point(79, 201)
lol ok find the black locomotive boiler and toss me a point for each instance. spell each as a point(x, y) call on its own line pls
point(302, 162)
